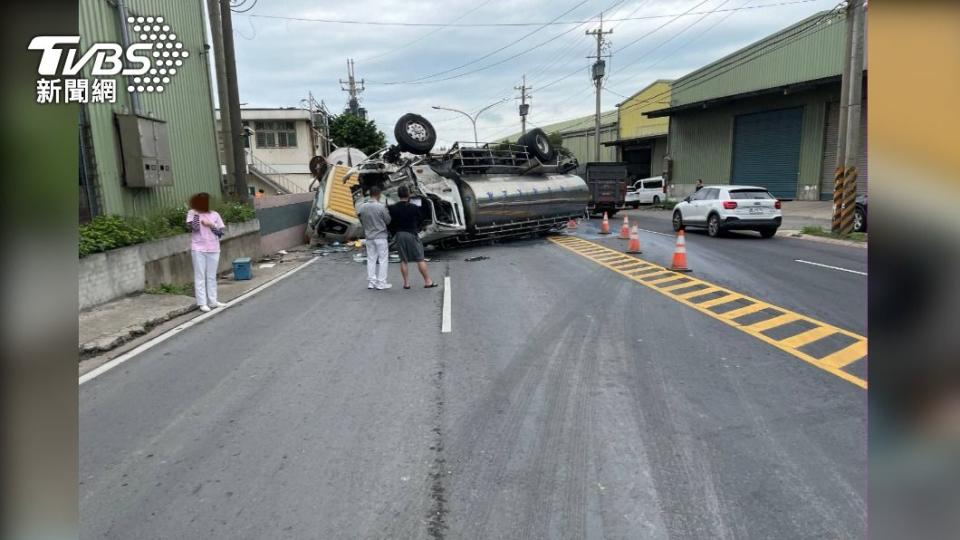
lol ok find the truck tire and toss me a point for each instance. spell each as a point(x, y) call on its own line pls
point(414, 134)
point(538, 145)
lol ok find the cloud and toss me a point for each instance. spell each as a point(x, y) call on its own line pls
point(279, 61)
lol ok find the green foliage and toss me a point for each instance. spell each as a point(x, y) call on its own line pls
point(234, 212)
point(171, 288)
point(351, 130)
point(104, 233)
point(820, 231)
point(110, 232)
point(556, 140)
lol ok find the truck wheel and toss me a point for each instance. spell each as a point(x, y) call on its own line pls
point(415, 134)
point(538, 145)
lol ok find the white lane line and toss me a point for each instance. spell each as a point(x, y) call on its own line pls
point(831, 267)
point(446, 326)
point(655, 232)
point(132, 353)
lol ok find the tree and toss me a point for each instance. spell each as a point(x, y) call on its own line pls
point(351, 130)
point(556, 140)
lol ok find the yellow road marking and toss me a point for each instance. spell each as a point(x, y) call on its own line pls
point(717, 301)
point(808, 337)
point(832, 363)
point(699, 292)
point(846, 356)
point(774, 322)
point(677, 286)
point(735, 313)
point(665, 279)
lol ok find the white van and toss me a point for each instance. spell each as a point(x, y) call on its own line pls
point(646, 191)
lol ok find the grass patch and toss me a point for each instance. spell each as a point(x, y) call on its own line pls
point(820, 231)
point(171, 288)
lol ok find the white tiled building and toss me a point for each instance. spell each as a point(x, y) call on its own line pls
point(279, 150)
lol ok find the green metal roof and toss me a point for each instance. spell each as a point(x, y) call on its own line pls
point(576, 124)
point(809, 50)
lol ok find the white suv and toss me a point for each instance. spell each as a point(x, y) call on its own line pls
point(728, 208)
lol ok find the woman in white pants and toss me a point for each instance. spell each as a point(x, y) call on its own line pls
point(206, 229)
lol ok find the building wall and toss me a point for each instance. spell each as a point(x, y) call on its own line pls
point(809, 50)
point(660, 146)
point(186, 106)
point(581, 143)
point(633, 124)
point(701, 142)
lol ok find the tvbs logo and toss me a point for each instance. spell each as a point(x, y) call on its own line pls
point(148, 64)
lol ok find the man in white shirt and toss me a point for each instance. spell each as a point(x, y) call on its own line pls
point(375, 217)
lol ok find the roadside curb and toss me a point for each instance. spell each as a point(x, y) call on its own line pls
point(821, 239)
point(108, 343)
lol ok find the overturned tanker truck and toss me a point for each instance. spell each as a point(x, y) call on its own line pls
point(470, 193)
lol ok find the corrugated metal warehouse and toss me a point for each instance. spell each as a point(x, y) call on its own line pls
point(185, 108)
point(642, 141)
point(765, 115)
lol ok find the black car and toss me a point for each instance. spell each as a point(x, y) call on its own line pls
point(860, 214)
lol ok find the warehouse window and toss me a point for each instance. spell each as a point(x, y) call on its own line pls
point(276, 134)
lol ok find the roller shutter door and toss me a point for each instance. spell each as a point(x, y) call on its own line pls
point(829, 166)
point(766, 150)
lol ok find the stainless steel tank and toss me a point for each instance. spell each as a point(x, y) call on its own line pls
point(492, 200)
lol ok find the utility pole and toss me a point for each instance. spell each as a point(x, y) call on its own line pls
point(213, 10)
point(848, 144)
point(353, 88)
point(524, 106)
point(599, 71)
point(233, 102)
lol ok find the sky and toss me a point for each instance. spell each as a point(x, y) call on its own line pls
point(280, 60)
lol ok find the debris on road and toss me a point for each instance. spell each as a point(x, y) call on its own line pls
point(477, 258)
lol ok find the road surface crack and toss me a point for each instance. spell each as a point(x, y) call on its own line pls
point(436, 521)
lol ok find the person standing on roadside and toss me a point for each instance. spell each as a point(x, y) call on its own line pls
point(374, 217)
point(206, 228)
point(699, 185)
point(405, 220)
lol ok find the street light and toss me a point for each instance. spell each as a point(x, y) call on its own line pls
point(473, 119)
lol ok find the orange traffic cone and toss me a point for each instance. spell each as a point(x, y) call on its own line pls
point(605, 226)
point(625, 229)
point(680, 254)
point(634, 245)
point(572, 224)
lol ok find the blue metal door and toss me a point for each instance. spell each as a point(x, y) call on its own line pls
point(766, 150)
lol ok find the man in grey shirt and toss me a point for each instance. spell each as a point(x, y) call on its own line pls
point(375, 217)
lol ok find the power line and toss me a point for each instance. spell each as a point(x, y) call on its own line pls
point(253, 5)
point(428, 34)
point(489, 54)
point(517, 24)
point(668, 40)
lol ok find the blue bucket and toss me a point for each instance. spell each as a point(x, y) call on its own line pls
point(242, 268)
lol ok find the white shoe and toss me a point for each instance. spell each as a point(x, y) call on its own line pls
point(218, 305)
point(204, 308)
point(370, 286)
point(384, 286)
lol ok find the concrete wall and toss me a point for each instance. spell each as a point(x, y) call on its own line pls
point(283, 220)
point(120, 272)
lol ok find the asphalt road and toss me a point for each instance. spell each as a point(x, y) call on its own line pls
point(567, 402)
